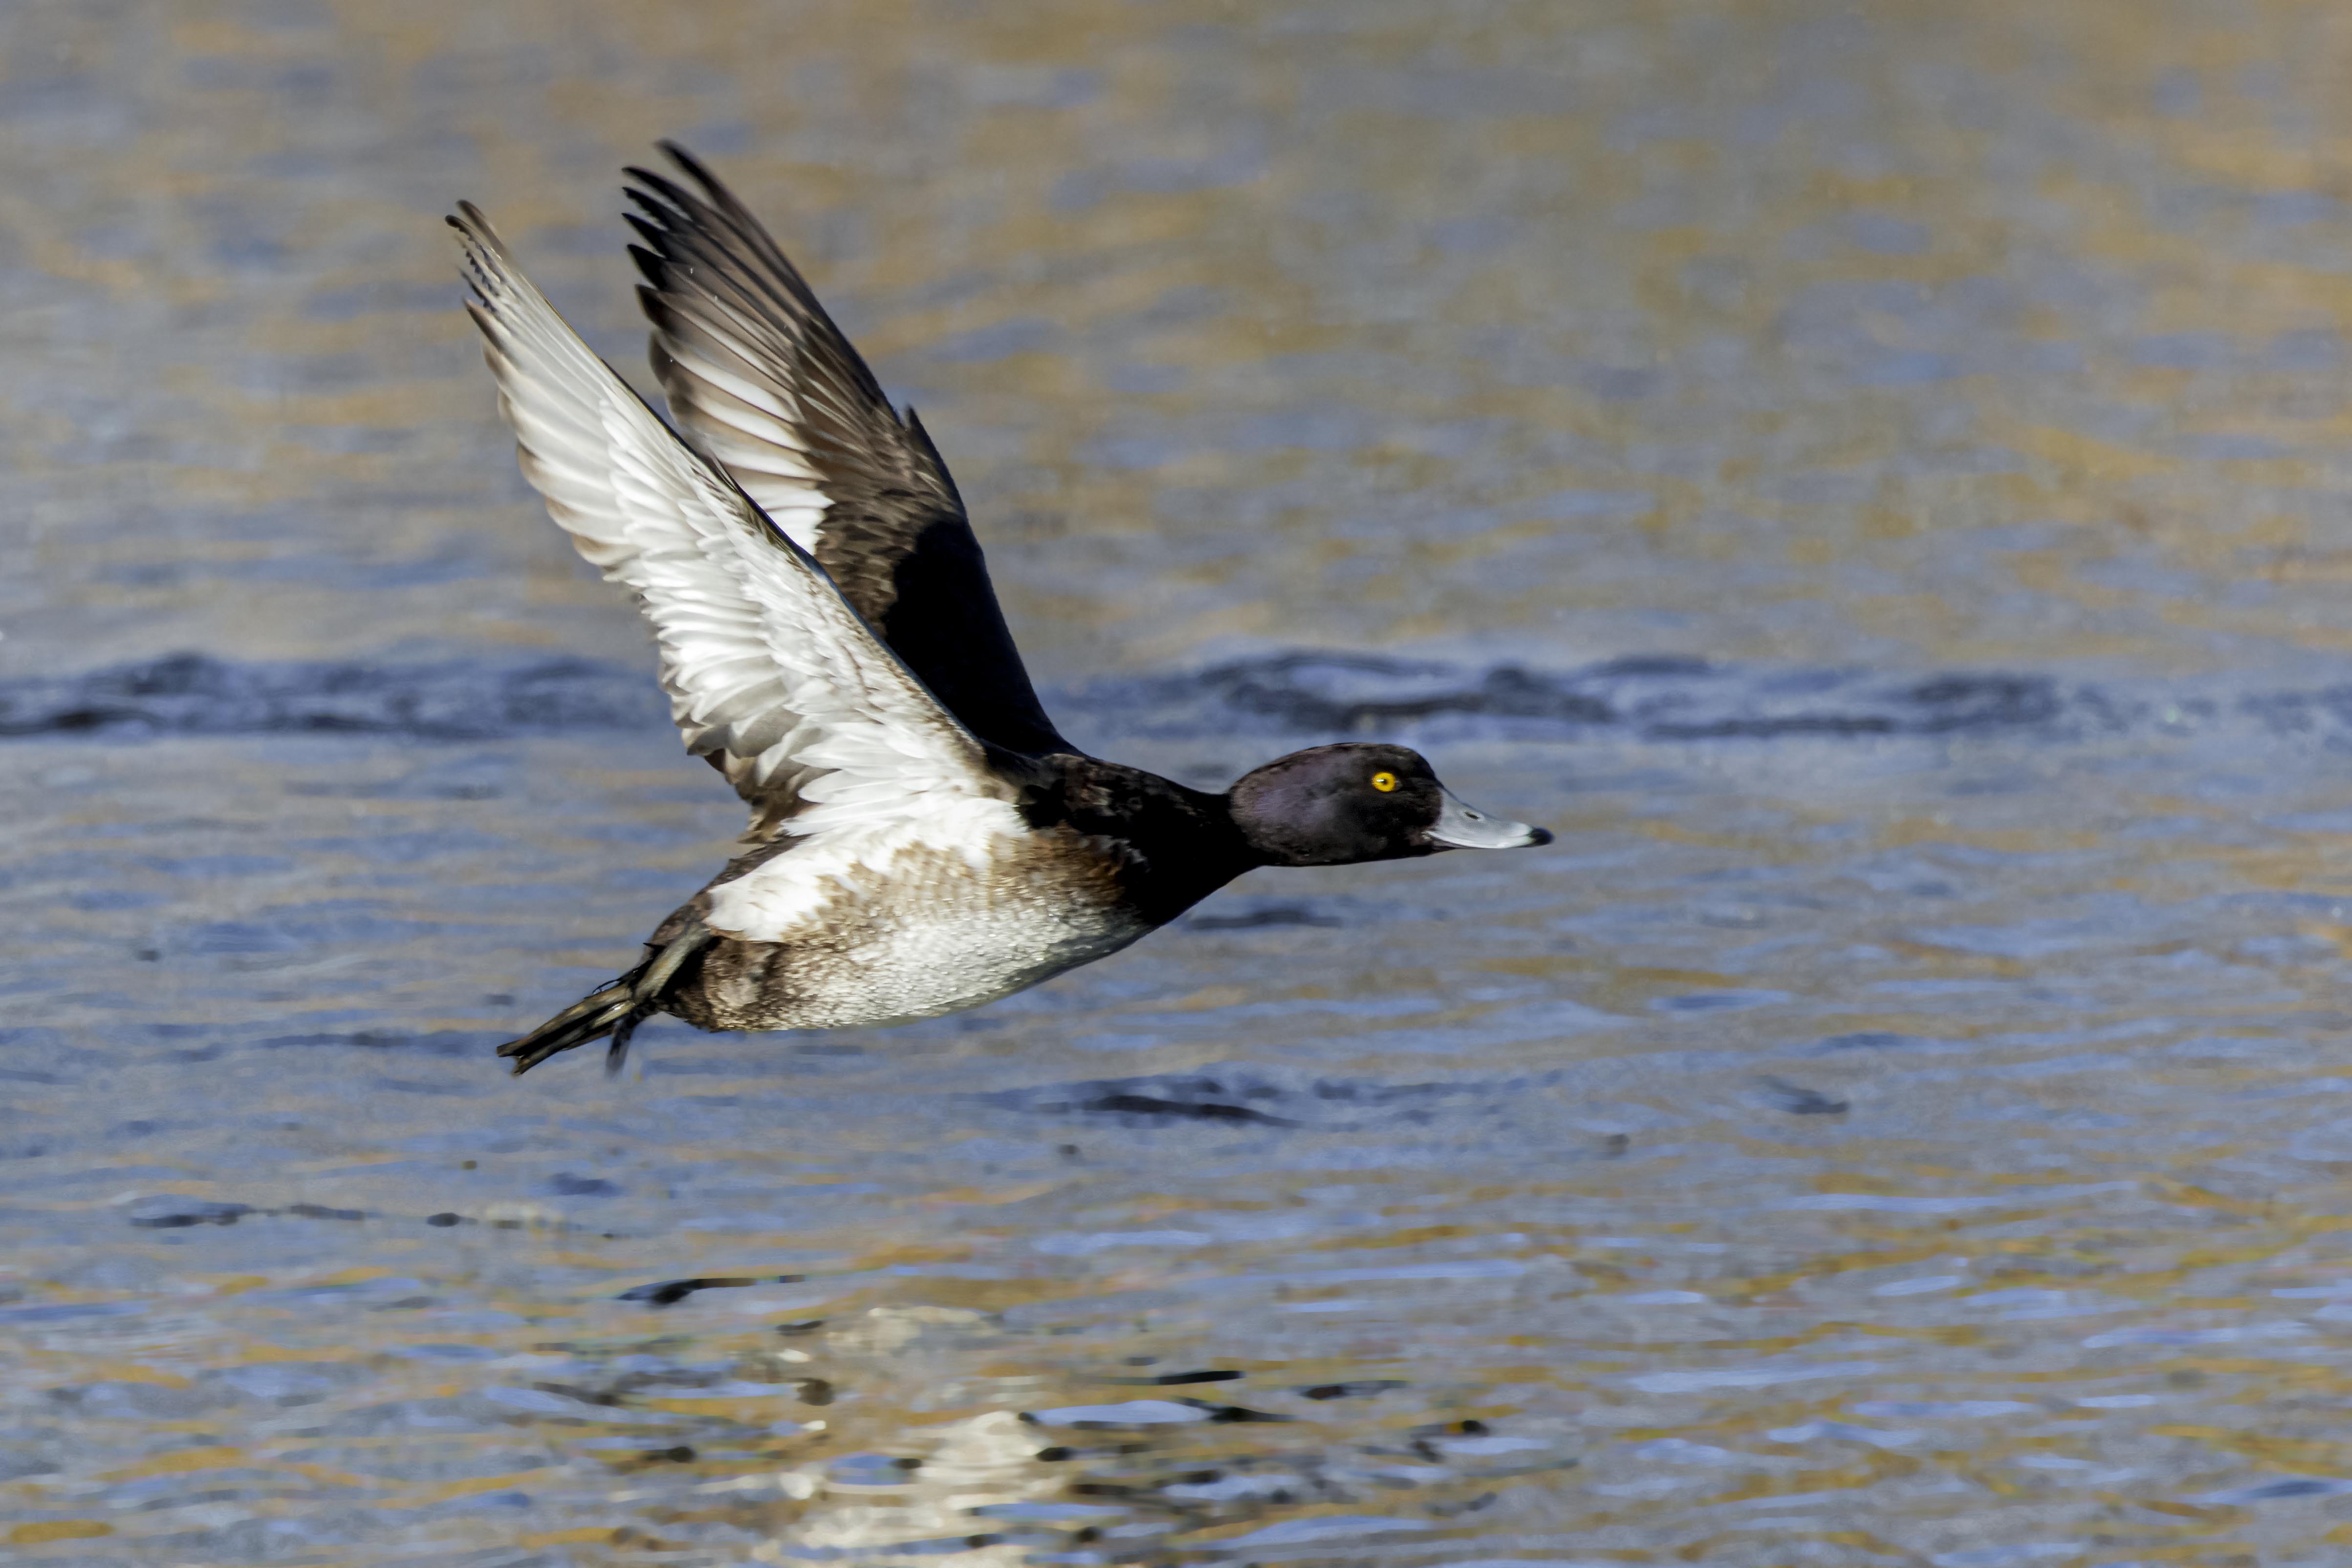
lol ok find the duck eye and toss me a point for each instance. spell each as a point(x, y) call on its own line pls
point(1383, 781)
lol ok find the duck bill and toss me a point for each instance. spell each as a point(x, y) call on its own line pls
point(1460, 828)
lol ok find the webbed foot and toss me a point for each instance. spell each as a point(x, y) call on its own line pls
point(615, 1010)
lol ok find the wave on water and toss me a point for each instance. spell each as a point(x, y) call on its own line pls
point(1301, 693)
point(467, 699)
point(1654, 698)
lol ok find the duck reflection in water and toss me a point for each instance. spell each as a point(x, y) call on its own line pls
point(922, 838)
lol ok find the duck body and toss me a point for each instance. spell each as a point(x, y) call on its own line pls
point(1085, 858)
point(922, 838)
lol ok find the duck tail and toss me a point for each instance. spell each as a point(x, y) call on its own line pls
point(615, 1010)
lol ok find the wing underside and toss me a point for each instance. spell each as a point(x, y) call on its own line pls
point(771, 673)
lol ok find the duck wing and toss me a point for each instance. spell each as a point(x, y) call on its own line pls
point(770, 674)
point(758, 375)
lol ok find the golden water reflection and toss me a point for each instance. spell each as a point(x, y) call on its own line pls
point(1853, 1144)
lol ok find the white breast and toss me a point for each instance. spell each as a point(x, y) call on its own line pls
point(907, 921)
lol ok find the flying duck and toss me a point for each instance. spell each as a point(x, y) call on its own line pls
point(922, 838)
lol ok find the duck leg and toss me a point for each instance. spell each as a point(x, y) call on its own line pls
point(615, 1010)
point(653, 979)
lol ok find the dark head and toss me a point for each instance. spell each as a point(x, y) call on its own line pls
point(1336, 805)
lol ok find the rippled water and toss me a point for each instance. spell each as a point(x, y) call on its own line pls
point(1871, 479)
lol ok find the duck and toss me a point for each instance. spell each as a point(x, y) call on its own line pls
point(922, 838)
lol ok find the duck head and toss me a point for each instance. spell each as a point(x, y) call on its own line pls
point(1337, 805)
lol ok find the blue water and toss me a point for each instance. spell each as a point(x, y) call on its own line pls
point(1868, 480)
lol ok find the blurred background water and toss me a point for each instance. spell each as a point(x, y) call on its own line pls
point(1872, 477)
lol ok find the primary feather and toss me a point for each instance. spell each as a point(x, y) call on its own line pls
point(760, 379)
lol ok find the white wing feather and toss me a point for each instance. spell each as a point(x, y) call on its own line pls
point(768, 670)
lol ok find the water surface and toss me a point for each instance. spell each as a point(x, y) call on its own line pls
point(1870, 479)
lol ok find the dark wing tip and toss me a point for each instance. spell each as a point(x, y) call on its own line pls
point(693, 167)
point(481, 240)
point(486, 260)
point(659, 194)
point(652, 264)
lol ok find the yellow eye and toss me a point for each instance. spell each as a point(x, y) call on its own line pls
point(1384, 782)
